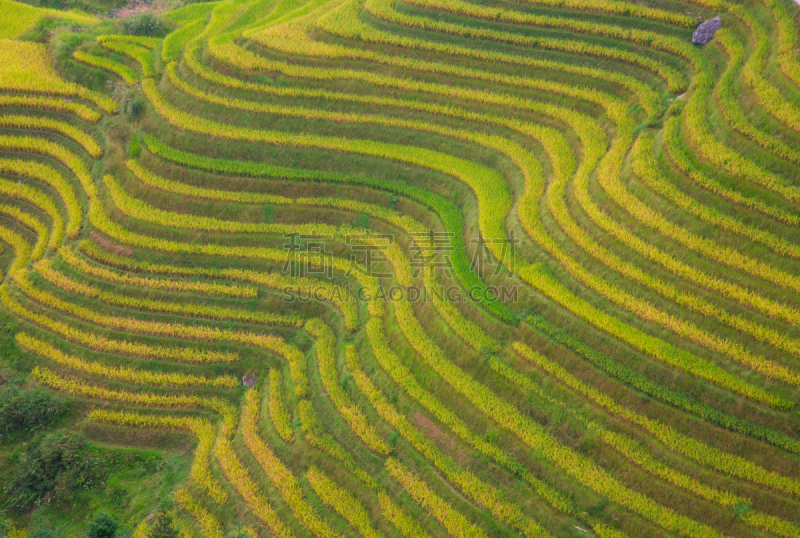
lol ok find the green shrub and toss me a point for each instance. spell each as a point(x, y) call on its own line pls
point(51, 470)
point(41, 531)
point(362, 221)
point(29, 410)
point(145, 24)
point(740, 510)
point(239, 532)
point(5, 524)
point(103, 526)
point(135, 108)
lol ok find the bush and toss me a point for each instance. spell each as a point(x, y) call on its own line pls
point(145, 24)
point(5, 524)
point(103, 526)
point(51, 470)
point(29, 410)
point(239, 532)
point(135, 108)
point(41, 531)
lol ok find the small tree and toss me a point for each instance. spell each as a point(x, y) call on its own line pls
point(163, 527)
point(103, 526)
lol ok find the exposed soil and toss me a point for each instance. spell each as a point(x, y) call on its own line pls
point(439, 437)
point(108, 245)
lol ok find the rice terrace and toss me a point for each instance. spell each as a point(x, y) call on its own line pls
point(399, 268)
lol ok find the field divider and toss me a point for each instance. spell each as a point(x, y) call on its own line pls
point(203, 288)
point(121, 373)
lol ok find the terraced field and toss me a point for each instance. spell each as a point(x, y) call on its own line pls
point(424, 267)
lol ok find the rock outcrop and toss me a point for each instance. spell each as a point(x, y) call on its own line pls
point(706, 31)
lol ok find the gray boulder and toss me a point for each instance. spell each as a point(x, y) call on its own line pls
point(706, 31)
point(250, 380)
